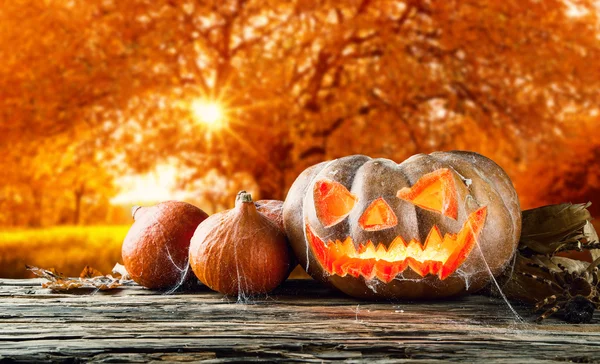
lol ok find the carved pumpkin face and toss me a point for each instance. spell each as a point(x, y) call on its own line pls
point(374, 228)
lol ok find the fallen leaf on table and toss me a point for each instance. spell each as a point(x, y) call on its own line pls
point(89, 272)
point(122, 271)
point(89, 278)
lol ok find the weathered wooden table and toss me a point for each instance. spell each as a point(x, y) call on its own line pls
point(301, 321)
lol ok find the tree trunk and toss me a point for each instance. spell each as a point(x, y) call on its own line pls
point(77, 211)
point(35, 219)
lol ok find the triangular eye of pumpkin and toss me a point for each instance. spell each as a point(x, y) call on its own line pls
point(333, 202)
point(434, 191)
point(378, 216)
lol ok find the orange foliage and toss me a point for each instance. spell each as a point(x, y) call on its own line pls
point(93, 89)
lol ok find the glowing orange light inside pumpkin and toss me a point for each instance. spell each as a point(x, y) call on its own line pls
point(439, 255)
point(434, 191)
point(378, 216)
point(333, 202)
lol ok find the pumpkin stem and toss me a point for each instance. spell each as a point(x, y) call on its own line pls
point(135, 209)
point(243, 197)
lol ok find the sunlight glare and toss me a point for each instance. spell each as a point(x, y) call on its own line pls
point(152, 187)
point(209, 113)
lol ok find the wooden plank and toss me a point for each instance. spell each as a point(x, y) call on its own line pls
point(301, 321)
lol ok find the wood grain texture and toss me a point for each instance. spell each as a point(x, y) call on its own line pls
point(301, 321)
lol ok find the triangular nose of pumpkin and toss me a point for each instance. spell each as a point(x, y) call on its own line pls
point(378, 216)
point(333, 202)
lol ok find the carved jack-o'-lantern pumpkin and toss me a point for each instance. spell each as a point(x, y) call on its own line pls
point(433, 226)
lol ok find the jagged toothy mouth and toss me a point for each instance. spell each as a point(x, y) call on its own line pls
point(439, 255)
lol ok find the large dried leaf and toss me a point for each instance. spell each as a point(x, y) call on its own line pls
point(549, 229)
point(554, 222)
point(89, 278)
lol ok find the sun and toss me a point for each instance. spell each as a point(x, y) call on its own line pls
point(209, 113)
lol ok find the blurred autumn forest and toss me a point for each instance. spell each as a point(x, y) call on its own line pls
point(94, 90)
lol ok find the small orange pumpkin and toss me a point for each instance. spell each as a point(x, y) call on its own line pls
point(273, 209)
point(155, 250)
point(240, 251)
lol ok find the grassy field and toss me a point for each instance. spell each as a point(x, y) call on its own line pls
point(68, 249)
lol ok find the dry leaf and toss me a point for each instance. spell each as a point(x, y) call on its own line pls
point(89, 272)
point(122, 271)
point(89, 278)
point(548, 231)
point(551, 229)
point(554, 224)
point(49, 274)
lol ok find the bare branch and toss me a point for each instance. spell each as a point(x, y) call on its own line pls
point(311, 152)
point(337, 123)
